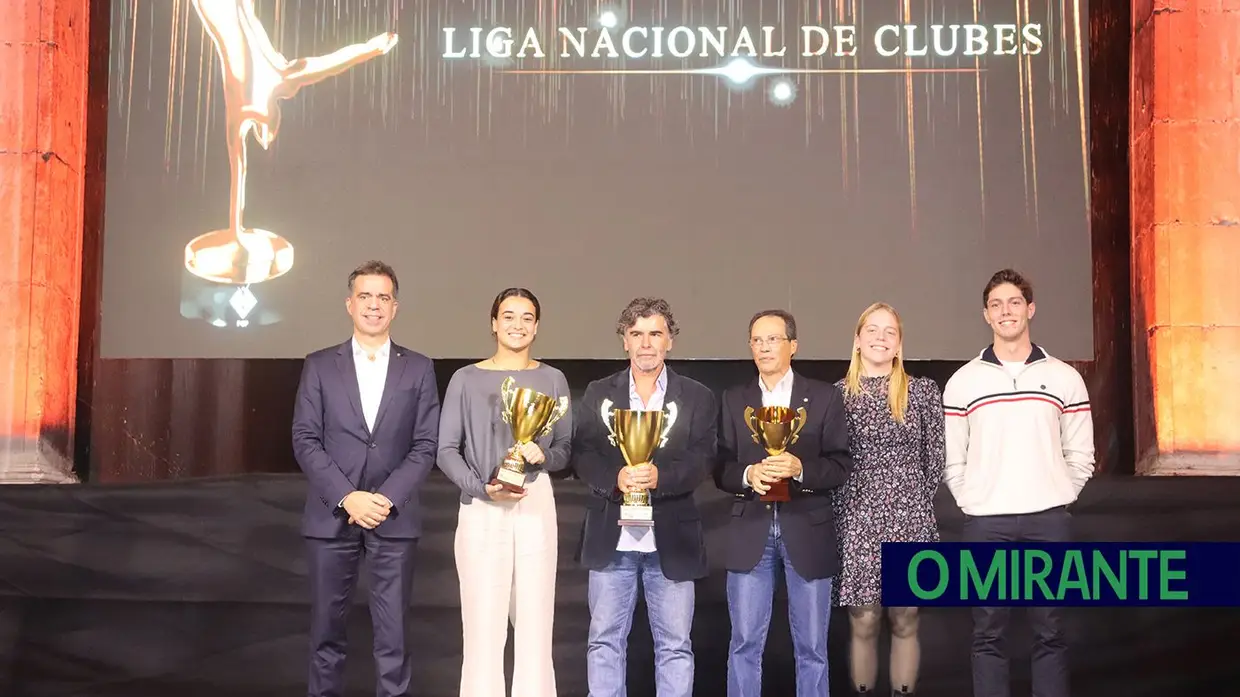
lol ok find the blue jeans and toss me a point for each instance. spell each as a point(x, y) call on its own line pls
point(809, 615)
point(669, 604)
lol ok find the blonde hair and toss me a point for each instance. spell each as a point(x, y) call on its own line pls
point(897, 386)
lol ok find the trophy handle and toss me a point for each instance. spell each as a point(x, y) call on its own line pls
point(561, 408)
point(751, 420)
point(798, 423)
point(608, 415)
point(671, 409)
point(507, 397)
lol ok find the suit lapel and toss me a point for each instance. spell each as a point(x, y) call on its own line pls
point(672, 396)
point(348, 375)
point(800, 392)
point(396, 369)
point(753, 397)
point(620, 390)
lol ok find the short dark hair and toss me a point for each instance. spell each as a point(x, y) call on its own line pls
point(646, 307)
point(375, 268)
point(1008, 276)
point(790, 322)
point(516, 293)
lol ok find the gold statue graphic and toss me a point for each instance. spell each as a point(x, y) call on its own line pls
point(256, 77)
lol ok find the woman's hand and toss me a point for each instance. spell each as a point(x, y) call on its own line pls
point(532, 454)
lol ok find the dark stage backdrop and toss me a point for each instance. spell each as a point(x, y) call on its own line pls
point(198, 589)
point(142, 419)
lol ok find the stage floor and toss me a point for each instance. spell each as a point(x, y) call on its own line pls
point(198, 587)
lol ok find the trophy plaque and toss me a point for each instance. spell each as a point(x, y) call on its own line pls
point(775, 429)
point(530, 415)
point(637, 433)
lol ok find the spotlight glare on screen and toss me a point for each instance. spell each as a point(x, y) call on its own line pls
point(783, 92)
point(608, 19)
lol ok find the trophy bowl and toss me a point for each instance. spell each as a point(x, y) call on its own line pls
point(775, 429)
point(530, 414)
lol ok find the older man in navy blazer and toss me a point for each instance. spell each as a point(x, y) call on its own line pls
point(365, 430)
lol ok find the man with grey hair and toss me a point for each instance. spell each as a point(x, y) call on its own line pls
point(667, 557)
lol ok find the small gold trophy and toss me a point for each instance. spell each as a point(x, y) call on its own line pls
point(638, 434)
point(775, 429)
point(531, 415)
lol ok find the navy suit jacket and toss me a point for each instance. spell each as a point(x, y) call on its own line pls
point(807, 521)
point(340, 455)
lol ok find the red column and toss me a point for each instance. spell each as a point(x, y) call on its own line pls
point(43, 86)
point(1185, 167)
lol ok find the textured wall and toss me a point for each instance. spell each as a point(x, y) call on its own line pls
point(1185, 163)
point(43, 79)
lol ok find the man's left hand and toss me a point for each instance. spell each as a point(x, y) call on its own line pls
point(381, 500)
point(784, 466)
point(645, 476)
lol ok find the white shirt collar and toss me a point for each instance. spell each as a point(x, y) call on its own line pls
point(784, 385)
point(382, 352)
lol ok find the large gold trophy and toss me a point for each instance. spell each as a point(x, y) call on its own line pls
point(531, 415)
point(638, 434)
point(775, 429)
point(255, 78)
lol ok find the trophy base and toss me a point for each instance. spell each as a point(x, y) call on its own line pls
point(230, 306)
point(636, 517)
point(510, 480)
point(778, 493)
point(220, 257)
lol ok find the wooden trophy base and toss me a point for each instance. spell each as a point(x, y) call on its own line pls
point(778, 493)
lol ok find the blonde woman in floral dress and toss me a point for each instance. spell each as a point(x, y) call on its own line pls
point(895, 428)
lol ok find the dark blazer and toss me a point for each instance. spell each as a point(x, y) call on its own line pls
point(806, 522)
point(340, 455)
point(684, 463)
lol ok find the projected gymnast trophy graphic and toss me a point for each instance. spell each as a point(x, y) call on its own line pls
point(256, 77)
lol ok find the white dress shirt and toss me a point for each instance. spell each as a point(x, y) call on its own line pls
point(371, 377)
point(632, 538)
point(781, 394)
point(371, 372)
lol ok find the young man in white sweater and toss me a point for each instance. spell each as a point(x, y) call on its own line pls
point(1020, 447)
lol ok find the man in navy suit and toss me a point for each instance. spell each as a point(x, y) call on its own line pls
point(365, 431)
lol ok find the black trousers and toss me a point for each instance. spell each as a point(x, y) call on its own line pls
point(990, 624)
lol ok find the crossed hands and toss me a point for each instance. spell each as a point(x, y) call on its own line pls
point(640, 477)
point(772, 469)
point(366, 509)
point(531, 453)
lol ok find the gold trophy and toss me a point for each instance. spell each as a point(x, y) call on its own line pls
point(255, 78)
point(638, 434)
point(775, 429)
point(531, 415)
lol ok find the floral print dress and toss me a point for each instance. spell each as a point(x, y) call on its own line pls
point(890, 495)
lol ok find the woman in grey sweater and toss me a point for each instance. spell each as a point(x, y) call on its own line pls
point(506, 542)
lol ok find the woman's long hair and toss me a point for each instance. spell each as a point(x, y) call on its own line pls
point(897, 386)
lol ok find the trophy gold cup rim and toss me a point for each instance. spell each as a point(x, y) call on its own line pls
point(529, 412)
point(777, 428)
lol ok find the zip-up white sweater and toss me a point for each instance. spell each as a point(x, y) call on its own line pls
point(1017, 442)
